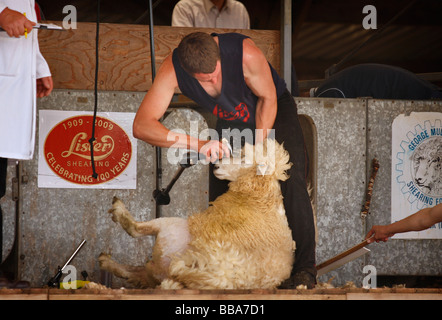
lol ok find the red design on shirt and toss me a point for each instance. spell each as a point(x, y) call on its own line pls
point(240, 112)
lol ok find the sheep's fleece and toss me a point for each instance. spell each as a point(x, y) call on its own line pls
point(241, 241)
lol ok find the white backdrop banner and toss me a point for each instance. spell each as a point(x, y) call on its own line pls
point(416, 181)
point(65, 151)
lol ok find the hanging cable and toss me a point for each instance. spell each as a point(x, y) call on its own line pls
point(158, 167)
point(92, 139)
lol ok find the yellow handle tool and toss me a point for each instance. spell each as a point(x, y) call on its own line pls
point(26, 30)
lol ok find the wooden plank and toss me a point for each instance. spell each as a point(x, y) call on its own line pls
point(124, 53)
point(23, 294)
point(186, 294)
point(394, 296)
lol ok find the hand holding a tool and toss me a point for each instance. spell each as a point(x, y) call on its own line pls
point(15, 23)
point(215, 150)
point(421, 220)
point(379, 233)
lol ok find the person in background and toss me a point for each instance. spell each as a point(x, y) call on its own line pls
point(418, 221)
point(24, 75)
point(230, 14)
point(378, 81)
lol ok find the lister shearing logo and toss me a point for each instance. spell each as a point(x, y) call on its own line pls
point(68, 152)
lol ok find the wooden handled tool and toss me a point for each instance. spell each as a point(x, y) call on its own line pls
point(343, 258)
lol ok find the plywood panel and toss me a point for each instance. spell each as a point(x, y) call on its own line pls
point(124, 53)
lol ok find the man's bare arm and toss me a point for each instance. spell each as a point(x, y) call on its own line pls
point(259, 79)
point(147, 125)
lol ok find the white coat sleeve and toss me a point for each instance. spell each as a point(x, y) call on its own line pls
point(42, 67)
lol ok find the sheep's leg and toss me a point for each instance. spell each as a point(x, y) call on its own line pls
point(140, 276)
point(135, 229)
point(172, 238)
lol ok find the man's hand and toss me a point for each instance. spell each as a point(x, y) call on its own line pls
point(15, 23)
point(214, 150)
point(44, 87)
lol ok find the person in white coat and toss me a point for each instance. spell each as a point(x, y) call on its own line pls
point(24, 75)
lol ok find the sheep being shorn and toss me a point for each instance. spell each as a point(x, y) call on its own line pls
point(241, 241)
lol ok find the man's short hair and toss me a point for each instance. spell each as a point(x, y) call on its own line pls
point(198, 53)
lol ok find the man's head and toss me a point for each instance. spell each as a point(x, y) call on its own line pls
point(198, 53)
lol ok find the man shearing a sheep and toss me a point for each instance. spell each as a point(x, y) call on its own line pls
point(230, 76)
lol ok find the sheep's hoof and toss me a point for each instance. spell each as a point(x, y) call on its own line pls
point(104, 256)
point(115, 199)
point(114, 216)
point(116, 210)
point(104, 259)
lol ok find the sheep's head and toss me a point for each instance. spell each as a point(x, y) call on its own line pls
point(267, 158)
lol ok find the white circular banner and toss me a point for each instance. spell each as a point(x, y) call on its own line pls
point(416, 181)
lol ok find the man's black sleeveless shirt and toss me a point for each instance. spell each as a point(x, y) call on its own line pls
point(236, 101)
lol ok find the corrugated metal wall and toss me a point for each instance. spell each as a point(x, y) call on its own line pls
point(351, 133)
point(343, 137)
point(396, 257)
point(53, 222)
